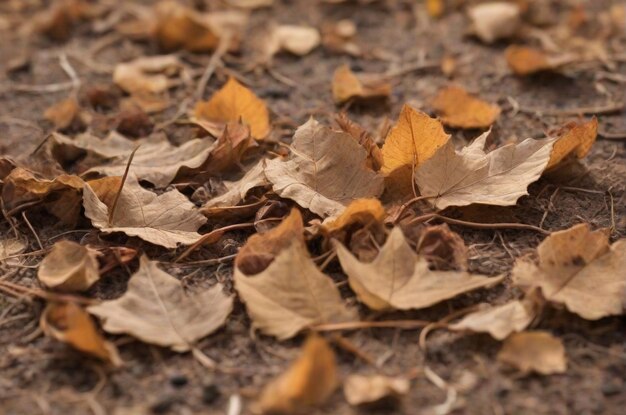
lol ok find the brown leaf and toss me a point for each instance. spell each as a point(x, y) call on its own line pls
point(157, 310)
point(325, 172)
point(414, 139)
point(10, 247)
point(400, 279)
point(250, 4)
point(291, 294)
point(579, 269)
point(365, 212)
point(459, 109)
point(166, 219)
point(70, 267)
point(69, 323)
point(574, 139)
point(147, 74)
point(59, 20)
point(229, 148)
point(534, 351)
point(367, 390)
point(310, 381)
point(234, 102)
point(261, 249)
point(374, 154)
point(298, 40)
point(460, 178)
point(442, 247)
point(347, 86)
point(494, 20)
point(339, 37)
point(524, 60)
point(63, 113)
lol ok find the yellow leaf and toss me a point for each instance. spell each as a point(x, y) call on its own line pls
point(435, 8)
point(310, 381)
point(69, 323)
point(534, 351)
point(234, 102)
point(347, 86)
point(364, 211)
point(457, 108)
point(63, 113)
point(576, 139)
point(524, 60)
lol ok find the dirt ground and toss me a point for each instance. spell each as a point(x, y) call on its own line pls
point(40, 375)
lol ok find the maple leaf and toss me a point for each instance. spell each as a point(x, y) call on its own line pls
point(461, 178)
point(69, 266)
point(367, 390)
point(234, 102)
point(347, 86)
point(309, 381)
point(69, 323)
point(457, 108)
point(166, 219)
point(579, 269)
point(400, 279)
point(574, 139)
point(156, 160)
point(326, 171)
point(414, 139)
point(157, 310)
point(147, 74)
point(534, 351)
point(291, 294)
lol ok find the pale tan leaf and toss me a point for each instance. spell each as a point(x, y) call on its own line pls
point(69, 323)
point(69, 266)
point(166, 219)
point(10, 247)
point(457, 108)
point(325, 172)
point(534, 351)
point(460, 178)
point(365, 390)
point(250, 4)
point(398, 278)
point(579, 269)
point(495, 20)
point(156, 309)
point(234, 102)
point(347, 86)
point(291, 294)
point(309, 382)
point(375, 155)
point(298, 40)
point(147, 74)
point(574, 139)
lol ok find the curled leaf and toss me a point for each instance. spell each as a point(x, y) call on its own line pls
point(347, 86)
point(298, 40)
point(534, 351)
point(495, 20)
point(366, 390)
point(457, 108)
point(69, 266)
point(146, 75)
point(574, 139)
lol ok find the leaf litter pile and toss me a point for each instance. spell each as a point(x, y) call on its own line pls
point(258, 206)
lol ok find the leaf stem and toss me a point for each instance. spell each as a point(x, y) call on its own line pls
point(119, 191)
point(478, 225)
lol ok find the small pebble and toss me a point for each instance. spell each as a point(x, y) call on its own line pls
point(179, 380)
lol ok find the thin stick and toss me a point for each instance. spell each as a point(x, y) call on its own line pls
point(412, 68)
point(32, 230)
point(618, 135)
point(222, 48)
point(479, 225)
point(409, 203)
point(356, 325)
point(15, 289)
point(37, 89)
point(211, 235)
point(214, 261)
point(119, 191)
point(71, 72)
point(601, 109)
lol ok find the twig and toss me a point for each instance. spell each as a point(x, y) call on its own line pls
point(16, 289)
point(618, 135)
point(214, 261)
point(32, 230)
point(601, 109)
point(479, 225)
point(119, 191)
point(412, 68)
point(37, 89)
point(405, 206)
point(221, 49)
point(357, 325)
point(69, 70)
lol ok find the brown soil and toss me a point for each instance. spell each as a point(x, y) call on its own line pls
point(40, 375)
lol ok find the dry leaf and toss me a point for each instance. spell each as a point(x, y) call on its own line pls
point(69, 323)
point(414, 139)
point(435, 8)
point(179, 27)
point(441, 246)
point(574, 139)
point(261, 249)
point(579, 269)
point(147, 74)
point(69, 266)
point(234, 102)
point(58, 21)
point(338, 37)
point(299, 40)
point(347, 86)
point(250, 4)
point(291, 294)
point(156, 309)
point(365, 390)
point(361, 211)
point(500, 321)
point(459, 109)
point(534, 351)
point(310, 381)
point(63, 113)
point(229, 148)
point(524, 60)
point(10, 247)
point(374, 156)
point(400, 279)
point(166, 219)
point(495, 20)
point(156, 160)
point(460, 178)
point(325, 172)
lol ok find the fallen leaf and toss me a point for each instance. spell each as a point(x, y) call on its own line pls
point(459, 109)
point(166, 219)
point(574, 139)
point(441, 246)
point(63, 113)
point(374, 154)
point(435, 8)
point(367, 390)
point(460, 178)
point(10, 247)
point(494, 20)
point(58, 21)
point(147, 74)
point(500, 321)
point(291, 294)
point(524, 60)
point(309, 381)
point(70, 267)
point(69, 323)
point(338, 37)
point(400, 279)
point(261, 249)
point(579, 269)
point(347, 86)
point(156, 309)
point(250, 4)
point(414, 139)
point(361, 211)
point(325, 172)
point(298, 40)
point(534, 351)
point(234, 102)
point(229, 148)
point(156, 160)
